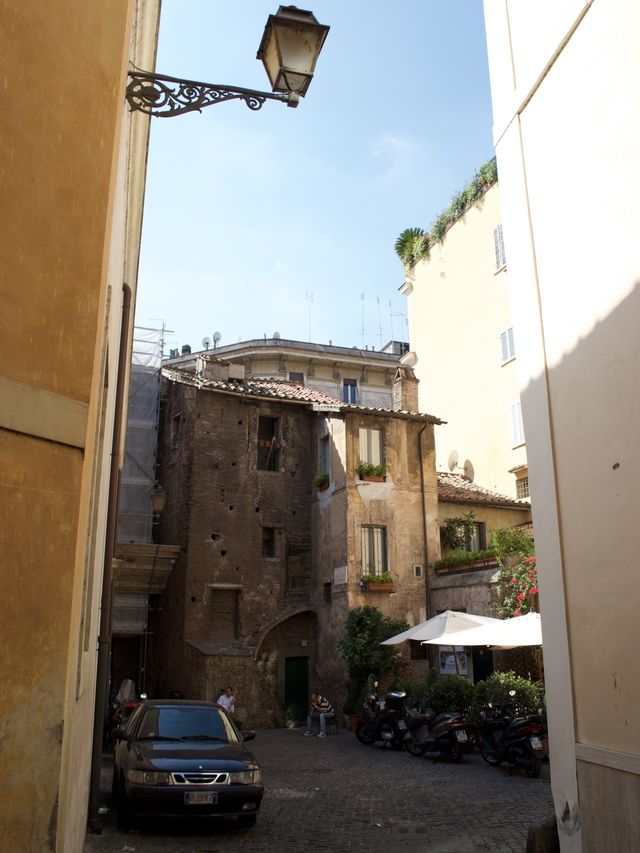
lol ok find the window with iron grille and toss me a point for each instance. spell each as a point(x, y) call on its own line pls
point(296, 377)
point(522, 487)
point(374, 550)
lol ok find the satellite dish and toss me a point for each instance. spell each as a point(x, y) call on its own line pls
point(206, 343)
point(217, 337)
point(275, 336)
point(453, 460)
point(469, 473)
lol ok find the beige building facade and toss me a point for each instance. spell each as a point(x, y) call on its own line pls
point(565, 80)
point(464, 350)
point(72, 191)
point(354, 375)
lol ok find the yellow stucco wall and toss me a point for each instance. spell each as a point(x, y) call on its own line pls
point(458, 306)
point(39, 495)
point(70, 237)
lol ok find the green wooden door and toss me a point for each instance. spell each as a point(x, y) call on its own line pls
point(296, 687)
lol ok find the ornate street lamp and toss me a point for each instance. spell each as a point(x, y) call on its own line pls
point(158, 499)
point(289, 49)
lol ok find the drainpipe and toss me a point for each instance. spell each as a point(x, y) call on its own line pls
point(427, 583)
point(104, 638)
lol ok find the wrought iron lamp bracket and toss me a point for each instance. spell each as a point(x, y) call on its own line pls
point(159, 95)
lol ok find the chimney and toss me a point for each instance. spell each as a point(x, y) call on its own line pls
point(405, 390)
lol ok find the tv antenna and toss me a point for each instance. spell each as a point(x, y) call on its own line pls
point(467, 467)
point(309, 298)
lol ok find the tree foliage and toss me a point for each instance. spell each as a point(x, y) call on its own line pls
point(360, 648)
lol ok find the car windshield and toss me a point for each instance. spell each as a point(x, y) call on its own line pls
point(186, 723)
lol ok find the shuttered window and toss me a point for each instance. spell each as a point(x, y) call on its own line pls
point(374, 550)
point(498, 243)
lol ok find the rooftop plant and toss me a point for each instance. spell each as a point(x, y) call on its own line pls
point(459, 558)
point(413, 244)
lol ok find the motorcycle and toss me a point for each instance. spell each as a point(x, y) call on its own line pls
point(446, 733)
point(506, 737)
point(383, 720)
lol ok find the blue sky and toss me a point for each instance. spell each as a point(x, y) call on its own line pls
point(285, 219)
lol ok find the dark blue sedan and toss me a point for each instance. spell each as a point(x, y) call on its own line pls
point(184, 759)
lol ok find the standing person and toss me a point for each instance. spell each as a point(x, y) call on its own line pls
point(321, 708)
point(228, 700)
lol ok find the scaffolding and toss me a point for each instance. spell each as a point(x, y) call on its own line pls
point(138, 477)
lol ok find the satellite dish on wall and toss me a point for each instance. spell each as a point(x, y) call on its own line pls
point(217, 337)
point(467, 468)
point(275, 336)
point(453, 460)
point(206, 343)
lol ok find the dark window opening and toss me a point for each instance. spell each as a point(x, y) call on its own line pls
point(350, 391)
point(418, 650)
point(296, 377)
point(268, 542)
point(476, 538)
point(327, 592)
point(268, 444)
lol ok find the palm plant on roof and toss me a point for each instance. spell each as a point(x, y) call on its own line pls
point(412, 246)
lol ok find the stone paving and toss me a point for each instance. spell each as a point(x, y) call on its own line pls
point(337, 795)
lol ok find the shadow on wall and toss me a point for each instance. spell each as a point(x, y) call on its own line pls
point(594, 412)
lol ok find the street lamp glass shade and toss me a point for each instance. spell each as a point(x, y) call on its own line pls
point(290, 47)
point(158, 499)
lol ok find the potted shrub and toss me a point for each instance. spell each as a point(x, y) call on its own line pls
point(379, 583)
point(374, 473)
point(321, 482)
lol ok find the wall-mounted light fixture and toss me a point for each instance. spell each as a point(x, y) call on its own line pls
point(289, 50)
point(158, 499)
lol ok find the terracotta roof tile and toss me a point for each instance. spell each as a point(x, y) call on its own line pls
point(457, 489)
point(283, 390)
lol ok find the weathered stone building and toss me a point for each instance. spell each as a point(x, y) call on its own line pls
point(270, 562)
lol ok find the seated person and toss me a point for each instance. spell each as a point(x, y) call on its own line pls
point(320, 709)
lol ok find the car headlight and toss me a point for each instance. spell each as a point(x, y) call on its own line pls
point(148, 777)
point(245, 777)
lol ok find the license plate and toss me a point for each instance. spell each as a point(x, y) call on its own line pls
point(461, 735)
point(536, 743)
point(201, 798)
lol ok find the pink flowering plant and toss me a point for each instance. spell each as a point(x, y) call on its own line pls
point(519, 588)
point(518, 575)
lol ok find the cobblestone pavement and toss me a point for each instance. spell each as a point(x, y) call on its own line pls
point(335, 794)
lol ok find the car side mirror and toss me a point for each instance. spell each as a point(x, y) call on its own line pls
point(248, 734)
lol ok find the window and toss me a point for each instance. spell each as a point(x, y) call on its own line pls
point(268, 542)
point(507, 347)
point(371, 446)
point(475, 538)
point(350, 391)
point(498, 243)
point(296, 377)
point(517, 426)
point(325, 455)
point(522, 487)
point(374, 550)
point(268, 444)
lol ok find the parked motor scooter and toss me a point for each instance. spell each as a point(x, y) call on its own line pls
point(383, 720)
point(505, 736)
point(447, 733)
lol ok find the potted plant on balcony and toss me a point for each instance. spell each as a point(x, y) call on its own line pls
point(373, 473)
point(378, 583)
point(321, 482)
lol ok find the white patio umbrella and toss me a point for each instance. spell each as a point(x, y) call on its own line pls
point(443, 629)
point(504, 633)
